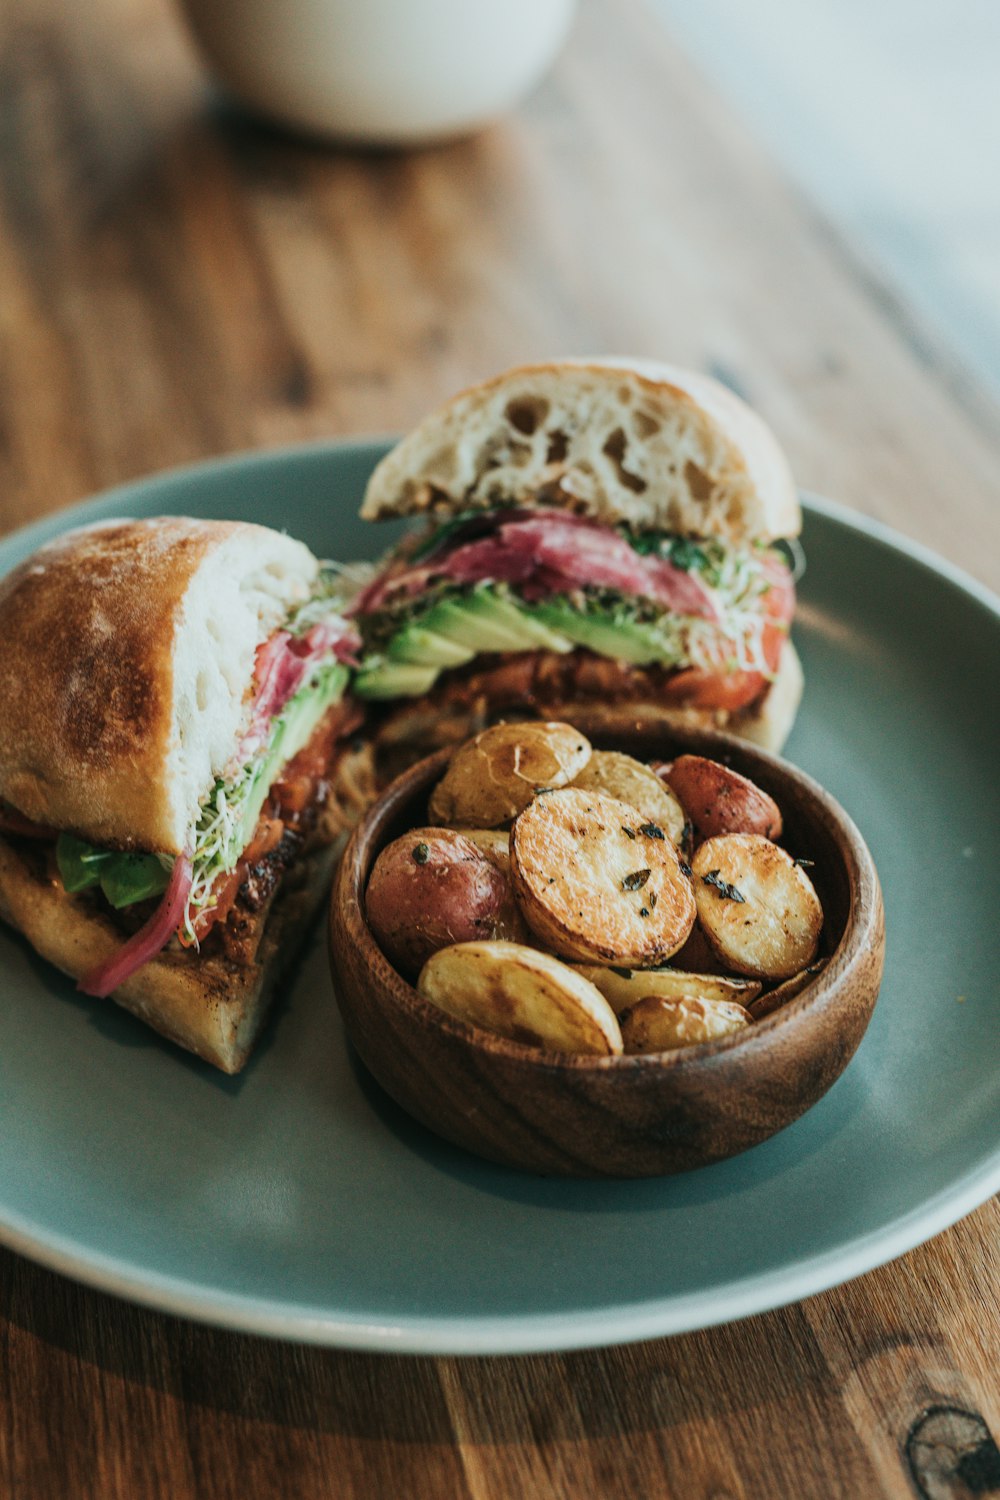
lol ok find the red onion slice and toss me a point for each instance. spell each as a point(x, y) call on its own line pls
point(150, 940)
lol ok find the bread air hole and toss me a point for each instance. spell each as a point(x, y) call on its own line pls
point(645, 425)
point(615, 447)
point(526, 414)
point(558, 447)
point(698, 482)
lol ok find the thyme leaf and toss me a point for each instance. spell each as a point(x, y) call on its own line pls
point(725, 891)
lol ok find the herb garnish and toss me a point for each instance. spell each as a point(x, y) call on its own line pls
point(636, 880)
point(726, 892)
point(651, 831)
point(628, 832)
point(421, 854)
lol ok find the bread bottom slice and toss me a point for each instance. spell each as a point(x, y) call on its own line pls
point(207, 1004)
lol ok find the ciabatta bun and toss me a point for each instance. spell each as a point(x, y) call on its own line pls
point(620, 440)
point(126, 669)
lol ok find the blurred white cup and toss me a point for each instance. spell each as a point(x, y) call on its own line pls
point(388, 72)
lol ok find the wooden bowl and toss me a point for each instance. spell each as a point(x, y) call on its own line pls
point(636, 1116)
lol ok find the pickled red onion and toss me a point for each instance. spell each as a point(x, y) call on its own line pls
point(150, 940)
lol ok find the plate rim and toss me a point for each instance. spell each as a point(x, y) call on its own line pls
point(511, 1333)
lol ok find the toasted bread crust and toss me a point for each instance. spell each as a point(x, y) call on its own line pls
point(92, 739)
point(619, 439)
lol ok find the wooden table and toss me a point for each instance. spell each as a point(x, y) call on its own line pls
point(176, 283)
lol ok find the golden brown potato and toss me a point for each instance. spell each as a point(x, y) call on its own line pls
point(594, 884)
point(623, 987)
point(719, 800)
point(522, 994)
point(430, 888)
point(630, 781)
point(756, 906)
point(495, 775)
point(764, 1005)
point(656, 1024)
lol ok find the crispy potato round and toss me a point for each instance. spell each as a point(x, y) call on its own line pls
point(656, 1024)
point(774, 999)
point(719, 800)
point(431, 888)
point(522, 994)
point(630, 781)
point(623, 987)
point(596, 885)
point(756, 906)
point(496, 774)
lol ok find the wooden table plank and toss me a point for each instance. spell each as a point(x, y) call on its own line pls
point(176, 283)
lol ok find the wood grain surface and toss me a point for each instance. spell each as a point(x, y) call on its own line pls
point(175, 283)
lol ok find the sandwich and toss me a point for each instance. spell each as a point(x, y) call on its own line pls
point(600, 541)
point(177, 765)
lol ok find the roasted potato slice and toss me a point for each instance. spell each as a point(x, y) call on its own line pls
point(623, 987)
point(657, 1024)
point(496, 774)
point(719, 800)
point(430, 888)
point(756, 906)
point(764, 1005)
point(522, 994)
point(595, 884)
point(630, 781)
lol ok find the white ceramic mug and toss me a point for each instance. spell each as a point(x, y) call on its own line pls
point(389, 72)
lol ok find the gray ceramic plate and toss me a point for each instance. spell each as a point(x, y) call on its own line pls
point(297, 1201)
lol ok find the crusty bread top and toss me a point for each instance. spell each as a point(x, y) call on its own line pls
point(126, 670)
point(622, 440)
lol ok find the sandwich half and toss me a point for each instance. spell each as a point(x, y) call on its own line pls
point(177, 764)
point(598, 543)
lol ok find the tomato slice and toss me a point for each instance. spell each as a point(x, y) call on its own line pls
point(731, 691)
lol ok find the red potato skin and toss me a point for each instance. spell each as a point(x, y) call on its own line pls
point(416, 906)
point(718, 800)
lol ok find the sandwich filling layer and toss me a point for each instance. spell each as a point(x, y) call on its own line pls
point(531, 579)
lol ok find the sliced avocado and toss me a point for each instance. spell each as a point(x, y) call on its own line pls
point(471, 624)
point(292, 733)
point(623, 640)
point(498, 611)
point(421, 647)
point(394, 679)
